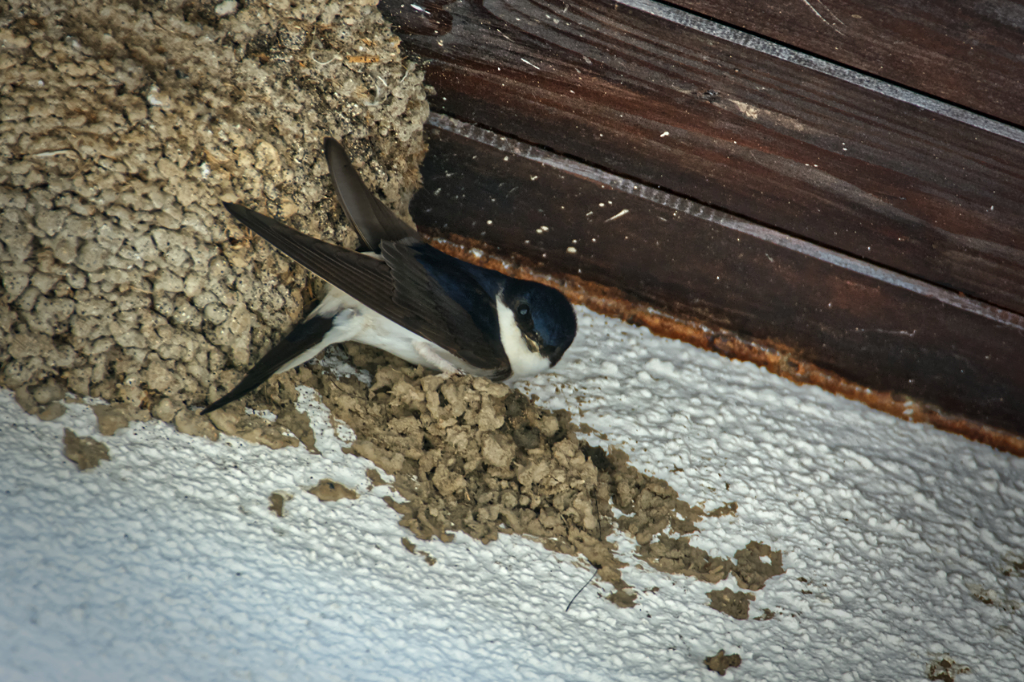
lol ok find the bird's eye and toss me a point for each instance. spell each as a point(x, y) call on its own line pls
point(523, 310)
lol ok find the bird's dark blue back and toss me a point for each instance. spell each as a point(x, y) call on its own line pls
point(464, 282)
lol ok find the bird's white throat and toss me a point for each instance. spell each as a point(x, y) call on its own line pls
point(524, 362)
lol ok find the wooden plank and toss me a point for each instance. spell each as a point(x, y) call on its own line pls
point(970, 53)
point(910, 188)
point(881, 329)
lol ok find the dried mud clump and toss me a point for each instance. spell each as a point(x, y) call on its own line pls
point(721, 662)
point(85, 452)
point(751, 571)
point(123, 128)
point(332, 491)
point(735, 604)
point(470, 455)
point(945, 669)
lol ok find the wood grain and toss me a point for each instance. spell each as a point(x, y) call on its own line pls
point(843, 220)
point(767, 139)
point(970, 53)
point(887, 332)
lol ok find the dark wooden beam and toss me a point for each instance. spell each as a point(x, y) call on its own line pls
point(969, 53)
point(775, 141)
point(875, 327)
point(866, 228)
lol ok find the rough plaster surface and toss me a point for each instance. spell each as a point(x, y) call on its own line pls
point(901, 546)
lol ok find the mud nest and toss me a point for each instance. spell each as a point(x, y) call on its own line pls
point(123, 129)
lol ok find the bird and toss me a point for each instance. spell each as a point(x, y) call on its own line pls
point(402, 295)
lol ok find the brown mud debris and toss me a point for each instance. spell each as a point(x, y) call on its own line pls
point(166, 409)
point(276, 505)
point(331, 491)
point(52, 411)
point(411, 547)
point(375, 478)
point(110, 418)
point(675, 555)
point(735, 604)
point(945, 669)
point(720, 662)
point(191, 423)
point(298, 424)
point(471, 455)
point(233, 421)
point(85, 452)
point(724, 510)
point(752, 572)
point(41, 399)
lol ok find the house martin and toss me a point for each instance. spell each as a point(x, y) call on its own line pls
point(402, 295)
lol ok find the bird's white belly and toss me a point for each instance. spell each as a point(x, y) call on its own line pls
point(369, 327)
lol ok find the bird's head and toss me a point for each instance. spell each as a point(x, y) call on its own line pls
point(537, 326)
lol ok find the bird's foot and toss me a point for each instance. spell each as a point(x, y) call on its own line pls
point(446, 368)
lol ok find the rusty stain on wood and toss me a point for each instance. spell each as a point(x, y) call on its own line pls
point(783, 362)
point(876, 328)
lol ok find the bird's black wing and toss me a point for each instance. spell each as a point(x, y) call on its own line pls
point(398, 287)
point(305, 335)
point(470, 326)
point(373, 220)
